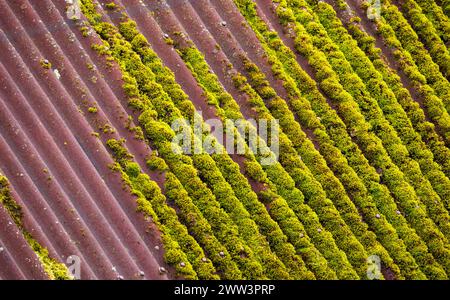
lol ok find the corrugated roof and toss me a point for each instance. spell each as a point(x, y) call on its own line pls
point(74, 204)
point(60, 102)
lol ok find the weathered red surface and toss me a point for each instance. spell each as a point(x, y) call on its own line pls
point(73, 203)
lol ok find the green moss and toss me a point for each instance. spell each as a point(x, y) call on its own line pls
point(53, 268)
point(111, 5)
point(344, 101)
point(120, 152)
point(169, 41)
point(107, 129)
point(132, 169)
point(138, 133)
point(160, 110)
point(158, 131)
point(254, 170)
point(226, 106)
point(151, 202)
point(128, 29)
point(45, 64)
point(156, 163)
point(14, 209)
point(84, 31)
point(151, 119)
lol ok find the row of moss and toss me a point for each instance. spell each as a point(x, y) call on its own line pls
point(329, 81)
point(437, 17)
point(216, 95)
point(432, 104)
point(221, 188)
point(427, 33)
point(229, 108)
point(426, 129)
point(357, 251)
point(157, 111)
point(383, 98)
point(445, 5)
point(225, 162)
point(281, 182)
point(351, 214)
point(366, 107)
point(236, 194)
point(54, 269)
point(368, 237)
point(150, 198)
point(298, 156)
point(282, 60)
point(218, 184)
point(410, 42)
point(179, 246)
